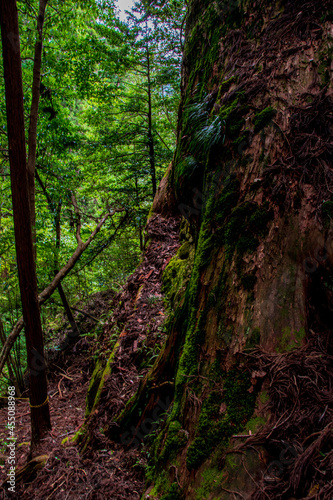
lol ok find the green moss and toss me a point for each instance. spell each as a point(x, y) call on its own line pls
point(235, 127)
point(161, 485)
point(93, 387)
point(230, 462)
point(217, 427)
point(241, 140)
point(175, 440)
point(263, 118)
point(253, 339)
point(176, 275)
point(224, 87)
point(324, 68)
point(290, 339)
point(185, 231)
point(210, 477)
point(254, 424)
point(151, 211)
point(97, 383)
point(174, 493)
point(264, 397)
point(247, 222)
point(228, 199)
point(226, 111)
point(195, 324)
point(232, 114)
point(185, 250)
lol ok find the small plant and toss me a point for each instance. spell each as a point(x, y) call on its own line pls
point(153, 299)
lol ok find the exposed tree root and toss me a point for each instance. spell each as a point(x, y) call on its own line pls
point(299, 435)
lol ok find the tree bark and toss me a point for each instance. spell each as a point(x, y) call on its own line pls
point(253, 167)
point(32, 134)
point(150, 127)
point(40, 416)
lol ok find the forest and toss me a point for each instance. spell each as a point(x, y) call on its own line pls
point(166, 249)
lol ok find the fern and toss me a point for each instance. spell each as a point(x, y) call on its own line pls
point(189, 165)
point(206, 131)
point(208, 136)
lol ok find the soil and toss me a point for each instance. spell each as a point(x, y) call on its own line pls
point(106, 469)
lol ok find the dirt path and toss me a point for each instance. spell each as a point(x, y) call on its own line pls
point(106, 470)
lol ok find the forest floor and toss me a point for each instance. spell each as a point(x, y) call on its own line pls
point(106, 469)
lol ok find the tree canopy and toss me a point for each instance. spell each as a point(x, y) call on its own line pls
point(106, 122)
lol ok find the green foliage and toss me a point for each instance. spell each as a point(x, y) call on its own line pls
point(92, 142)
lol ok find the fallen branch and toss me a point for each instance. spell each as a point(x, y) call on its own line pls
point(48, 291)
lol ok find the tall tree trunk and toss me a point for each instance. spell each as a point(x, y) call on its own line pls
point(252, 174)
point(40, 416)
point(150, 127)
point(32, 134)
point(138, 205)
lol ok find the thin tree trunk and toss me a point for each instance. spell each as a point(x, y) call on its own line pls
point(10, 364)
point(75, 329)
point(150, 128)
point(40, 416)
point(32, 135)
point(138, 204)
point(48, 291)
point(57, 211)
